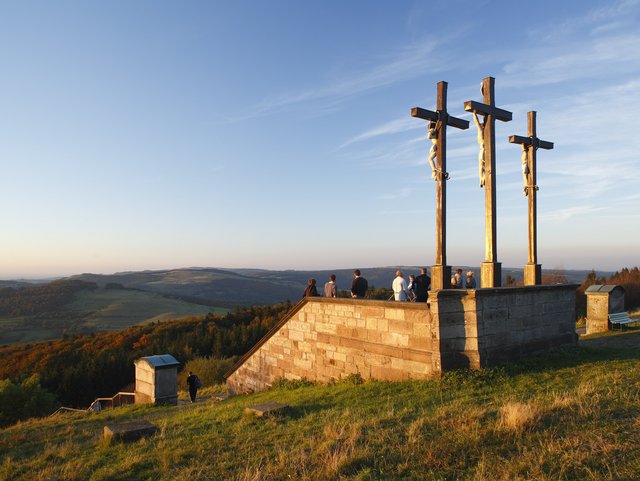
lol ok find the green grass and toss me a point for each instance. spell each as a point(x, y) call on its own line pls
point(567, 415)
point(101, 310)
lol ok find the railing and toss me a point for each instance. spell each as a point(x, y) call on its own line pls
point(120, 399)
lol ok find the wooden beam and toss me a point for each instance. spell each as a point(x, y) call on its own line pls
point(500, 114)
point(424, 114)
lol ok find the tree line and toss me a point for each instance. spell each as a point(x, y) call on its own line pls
point(79, 369)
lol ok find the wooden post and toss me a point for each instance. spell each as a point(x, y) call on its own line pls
point(440, 271)
point(491, 272)
point(530, 144)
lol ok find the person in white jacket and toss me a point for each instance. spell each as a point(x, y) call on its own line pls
point(399, 286)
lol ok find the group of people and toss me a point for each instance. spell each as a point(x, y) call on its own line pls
point(359, 287)
point(457, 281)
point(416, 290)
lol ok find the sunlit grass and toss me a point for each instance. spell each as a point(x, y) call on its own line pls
point(567, 415)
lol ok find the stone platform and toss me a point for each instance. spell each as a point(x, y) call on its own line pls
point(322, 339)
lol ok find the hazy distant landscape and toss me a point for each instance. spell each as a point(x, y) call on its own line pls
point(116, 301)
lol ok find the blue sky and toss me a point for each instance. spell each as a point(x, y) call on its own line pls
point(149, 135)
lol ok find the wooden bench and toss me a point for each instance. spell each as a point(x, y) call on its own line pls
point(620, 319)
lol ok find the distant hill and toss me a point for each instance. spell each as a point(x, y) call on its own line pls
point(128, 298)
point(74, 307)
point(232, 287)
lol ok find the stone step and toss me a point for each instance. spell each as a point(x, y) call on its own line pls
point(131, 431)
point(267, 409)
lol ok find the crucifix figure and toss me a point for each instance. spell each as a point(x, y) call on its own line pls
point(480, 126)
point(491, 272)
point(530, 144)
point(437, 133)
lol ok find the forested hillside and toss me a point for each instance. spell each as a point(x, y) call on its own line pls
point(44, 300)
point(79, 369)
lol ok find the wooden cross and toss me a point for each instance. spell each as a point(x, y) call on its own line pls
point(438, 121)
point(491, 275)
point(530, 144)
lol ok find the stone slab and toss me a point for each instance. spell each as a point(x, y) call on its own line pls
point(131, 431)
point(267, 409)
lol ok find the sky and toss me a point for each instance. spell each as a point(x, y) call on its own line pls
point(157, 135)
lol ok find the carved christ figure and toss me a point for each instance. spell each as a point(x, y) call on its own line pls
point(525, 170)
point(481, 126)
point(432, 134)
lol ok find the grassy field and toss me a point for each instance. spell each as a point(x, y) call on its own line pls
point(101, 310)
point(568, 415)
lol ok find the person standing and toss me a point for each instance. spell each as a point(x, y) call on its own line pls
point(423, 284)
point(311, 290)
point(411, 288)
point(399, 286)
point(330, 289)
point(359, 285)
point(459, 279)
point(471, 281)
point(193, 382)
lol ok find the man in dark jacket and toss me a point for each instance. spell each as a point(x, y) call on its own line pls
point(359, 285)
point(423, 284)
point(194, 383)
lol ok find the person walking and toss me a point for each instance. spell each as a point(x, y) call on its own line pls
point(399, 286)
point(194, 384)
point(423, 284)
point(359, 285)
point(330, 289)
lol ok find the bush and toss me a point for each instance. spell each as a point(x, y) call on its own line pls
point(25, 400)
point(210, 370)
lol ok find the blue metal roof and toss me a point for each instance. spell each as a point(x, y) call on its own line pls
point(603, 288)
point(162, 360)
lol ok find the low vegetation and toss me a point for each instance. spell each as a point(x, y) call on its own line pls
point(568, 415)
point(79, 369)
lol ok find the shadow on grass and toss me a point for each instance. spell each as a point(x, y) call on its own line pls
point(607, 347)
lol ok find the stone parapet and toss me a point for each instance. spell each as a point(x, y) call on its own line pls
point(324, 339)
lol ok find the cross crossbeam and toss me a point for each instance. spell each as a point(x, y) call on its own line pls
point(438, 122)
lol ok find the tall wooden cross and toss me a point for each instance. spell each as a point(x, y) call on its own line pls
point(530, 144)
point(438, 121)
point(491, 272)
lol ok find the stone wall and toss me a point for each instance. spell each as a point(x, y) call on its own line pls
point(329, 339)
point(325, 339)
point(485, 326)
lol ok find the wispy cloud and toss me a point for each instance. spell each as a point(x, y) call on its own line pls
point(409, 62)
point(392, 127)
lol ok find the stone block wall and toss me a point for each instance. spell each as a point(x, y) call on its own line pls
point(329, 339)
point(324, 339)
point(484, 326)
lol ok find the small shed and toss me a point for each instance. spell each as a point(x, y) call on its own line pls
point(157, 379)
point(602, 300)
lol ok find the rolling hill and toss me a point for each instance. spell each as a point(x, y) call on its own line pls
point(87, 310)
